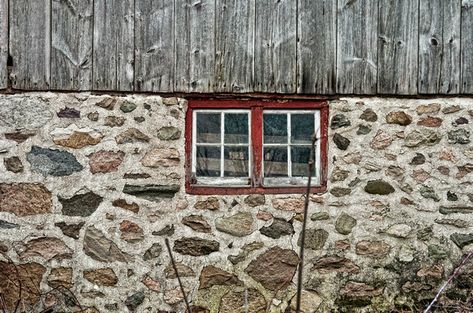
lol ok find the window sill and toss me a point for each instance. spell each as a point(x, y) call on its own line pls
point(215, 190)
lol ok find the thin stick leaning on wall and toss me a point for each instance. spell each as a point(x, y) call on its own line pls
point(310, 169)
point(177, 275)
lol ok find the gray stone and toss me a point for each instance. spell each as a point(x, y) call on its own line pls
point(369, 115)
point(399, 230)
point(452, 222)
point(451, 196)
point(339, 175)
point(421, 137)
point(340, 192)
point(134, 301)
point(255, 200)
point(345, 224)
point(363, 130)
point(70, 230)
point(418, 159)
point(425, 233)
point(437, 252)
point(102, 249)
point(8, 225)
point(127, 107)
point(429, 193)
point(354, 182)
point(53, 162)
point(154, 193)
point(13, 164)
point(451, 109)
point(246, 250)
point(341, 142)
point(131, 135)
point(314, 239)
point(455, 209)
point(460, 136)
point(24, 113)
point(196, 246)
point(166, 231)
point(240, 224)
point(339, 121)
point(153, 252)
point(320, 216)
point(68, 113)
point(81, 205)
point(462, 240)
point(169, 133)
point(378, 187)
point(277, 229)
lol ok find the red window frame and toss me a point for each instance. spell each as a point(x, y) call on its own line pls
point(256, 107)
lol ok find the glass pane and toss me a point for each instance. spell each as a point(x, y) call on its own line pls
point(275, 162)
point(300, 158)
point(302, 128)
point(236, 161)
point(208, 127)
point(275, 128)
point(208, 161)
point(236, 128)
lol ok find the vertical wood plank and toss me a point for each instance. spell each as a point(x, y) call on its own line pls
point(234, 41)
point(357, 46)
point(195, 45)
point(276, 46)
point(317, 46)
point(30, 44)
point(154, 37)
point(71, 44)
point(3, 43)
point(113, 50)
point(439, 46)
point(467, 47)
point(398, 46)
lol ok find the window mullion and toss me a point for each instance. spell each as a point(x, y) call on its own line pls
point(222, 144)
point(289, 161)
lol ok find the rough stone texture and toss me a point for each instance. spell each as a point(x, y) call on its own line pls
point(105, 161)
point(401, 249)
point(131, 232)
point(274, 268)
point(341, 142)
point(240, 224)
point(53, 162)
point(399, 118)
point(81, 205)
point(13, 164)
point(25, 199)
point(214, 276)
point(101, 277)
point(102, 249)
point(196, 246)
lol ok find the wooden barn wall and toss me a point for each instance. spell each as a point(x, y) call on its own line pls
point(323, 47)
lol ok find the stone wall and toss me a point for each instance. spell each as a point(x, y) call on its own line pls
point(91, 185)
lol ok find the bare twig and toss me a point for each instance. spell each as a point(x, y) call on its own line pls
point(455, 273)
point(177, 274)
point(310, 169)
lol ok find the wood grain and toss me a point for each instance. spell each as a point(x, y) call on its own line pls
point(357, 40)
point(195, 45)
point(113, 50)
point(317, 47)
point(397, 47)
point(71, 54)
point(276, 46)
point(154, 41)
point(3, 44)
point(467, 47)
point(30, 44)
point(234, 44)
point(439, 46)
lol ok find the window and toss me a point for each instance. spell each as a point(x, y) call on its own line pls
point(237, 147)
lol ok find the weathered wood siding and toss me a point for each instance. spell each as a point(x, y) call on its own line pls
point(321, 47)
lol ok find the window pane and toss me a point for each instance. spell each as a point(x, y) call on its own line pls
point(208, 127)
point(275, 128)
point(275, 162)
point(300, 158)
point(302, 128)
point(208, 161)
point(236, 128)
point(236, 161)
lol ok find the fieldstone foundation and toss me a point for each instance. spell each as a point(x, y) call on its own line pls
point(90, 186)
